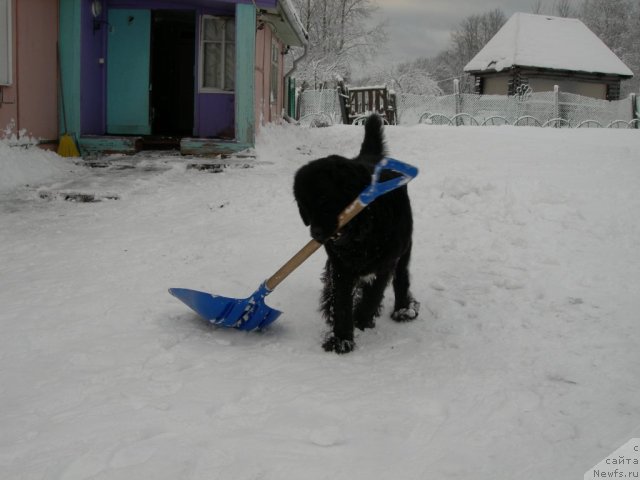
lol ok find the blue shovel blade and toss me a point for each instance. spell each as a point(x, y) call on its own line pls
point(244, 314)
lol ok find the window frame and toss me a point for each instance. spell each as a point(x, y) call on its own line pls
point(202, 42)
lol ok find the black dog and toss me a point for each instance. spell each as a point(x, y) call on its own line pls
point(367, 252)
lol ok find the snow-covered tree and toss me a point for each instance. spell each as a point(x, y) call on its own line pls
point(339, 35)
point(617, 23)
point(609, 20)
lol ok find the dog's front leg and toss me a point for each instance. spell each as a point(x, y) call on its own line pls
point(340, 307)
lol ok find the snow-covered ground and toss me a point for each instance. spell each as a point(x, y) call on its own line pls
point(524, 362)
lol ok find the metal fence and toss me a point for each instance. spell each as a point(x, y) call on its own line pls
point(543, 109)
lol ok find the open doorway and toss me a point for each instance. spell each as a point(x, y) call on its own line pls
point(173, 36)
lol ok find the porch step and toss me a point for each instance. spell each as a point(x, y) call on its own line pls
point(96, 145)
point(99, 145)
point(160, 143)
point(211, 147)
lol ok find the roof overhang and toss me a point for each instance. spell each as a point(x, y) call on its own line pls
point(285, 22)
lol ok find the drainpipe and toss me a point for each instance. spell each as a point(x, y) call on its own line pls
point(297, 61)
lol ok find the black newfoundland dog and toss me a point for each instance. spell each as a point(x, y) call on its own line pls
point(367, 252)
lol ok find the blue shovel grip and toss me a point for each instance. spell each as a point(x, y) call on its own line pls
point(407, 173)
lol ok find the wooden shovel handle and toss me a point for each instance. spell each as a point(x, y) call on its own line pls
point(310, 248)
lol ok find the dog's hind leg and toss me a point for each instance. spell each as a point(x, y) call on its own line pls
point(406, 307)
point(370, 301)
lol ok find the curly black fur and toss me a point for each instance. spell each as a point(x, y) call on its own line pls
point(367, 252)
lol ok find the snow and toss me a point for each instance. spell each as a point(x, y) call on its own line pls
point(22, 165)
point(522, 364)
point(542, 41)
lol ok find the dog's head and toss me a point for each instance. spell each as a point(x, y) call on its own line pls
point(323, 188)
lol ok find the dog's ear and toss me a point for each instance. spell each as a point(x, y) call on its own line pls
point(304, 216)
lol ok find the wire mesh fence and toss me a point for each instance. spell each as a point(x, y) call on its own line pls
point(542, 109)
point(319, 107)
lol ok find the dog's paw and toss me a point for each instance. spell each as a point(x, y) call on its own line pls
point(407, 314)
point(338, 345)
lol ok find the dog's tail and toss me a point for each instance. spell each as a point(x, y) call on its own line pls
point(373, 143)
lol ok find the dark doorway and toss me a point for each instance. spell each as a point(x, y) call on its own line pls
point(173, 36)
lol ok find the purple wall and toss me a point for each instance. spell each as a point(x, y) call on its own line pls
point(92, 74)
point(215, 115)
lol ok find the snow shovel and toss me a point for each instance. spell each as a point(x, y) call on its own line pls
point(252, 313)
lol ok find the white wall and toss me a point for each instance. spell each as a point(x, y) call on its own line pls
point(586, 89)
point(496, 85)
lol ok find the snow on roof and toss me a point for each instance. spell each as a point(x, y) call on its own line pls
point(541, 41)
point(294, 19)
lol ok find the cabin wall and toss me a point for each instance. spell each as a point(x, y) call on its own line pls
point(594, 87)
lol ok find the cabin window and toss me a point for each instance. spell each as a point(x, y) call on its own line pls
point(217, 54)
point(275, 70)
point(6, 39)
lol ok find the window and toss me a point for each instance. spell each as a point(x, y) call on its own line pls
point(217, 54)
point(275, 71)
point(5, 42)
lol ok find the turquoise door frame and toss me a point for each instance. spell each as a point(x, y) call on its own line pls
point(69, 46)
point(128, 65)
point(245, 73)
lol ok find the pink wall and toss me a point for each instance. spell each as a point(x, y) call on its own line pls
point(33, 95)
point(265, 110)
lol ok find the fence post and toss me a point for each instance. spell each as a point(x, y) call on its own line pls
point(456, 92)
point(556, 104)
point(343, 98)
point(292, 97)
point(634, 109)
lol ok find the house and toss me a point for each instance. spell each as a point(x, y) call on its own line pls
point(152, 73)
point(542, 51)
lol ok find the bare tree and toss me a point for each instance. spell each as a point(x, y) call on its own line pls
point(467, 40)
point(564, 8)
point(537, 7)
point(561, 8)
point(474, 32)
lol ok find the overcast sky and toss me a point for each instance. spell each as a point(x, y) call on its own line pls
point(421, 28)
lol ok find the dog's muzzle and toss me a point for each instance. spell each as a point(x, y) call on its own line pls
point(320, 235)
